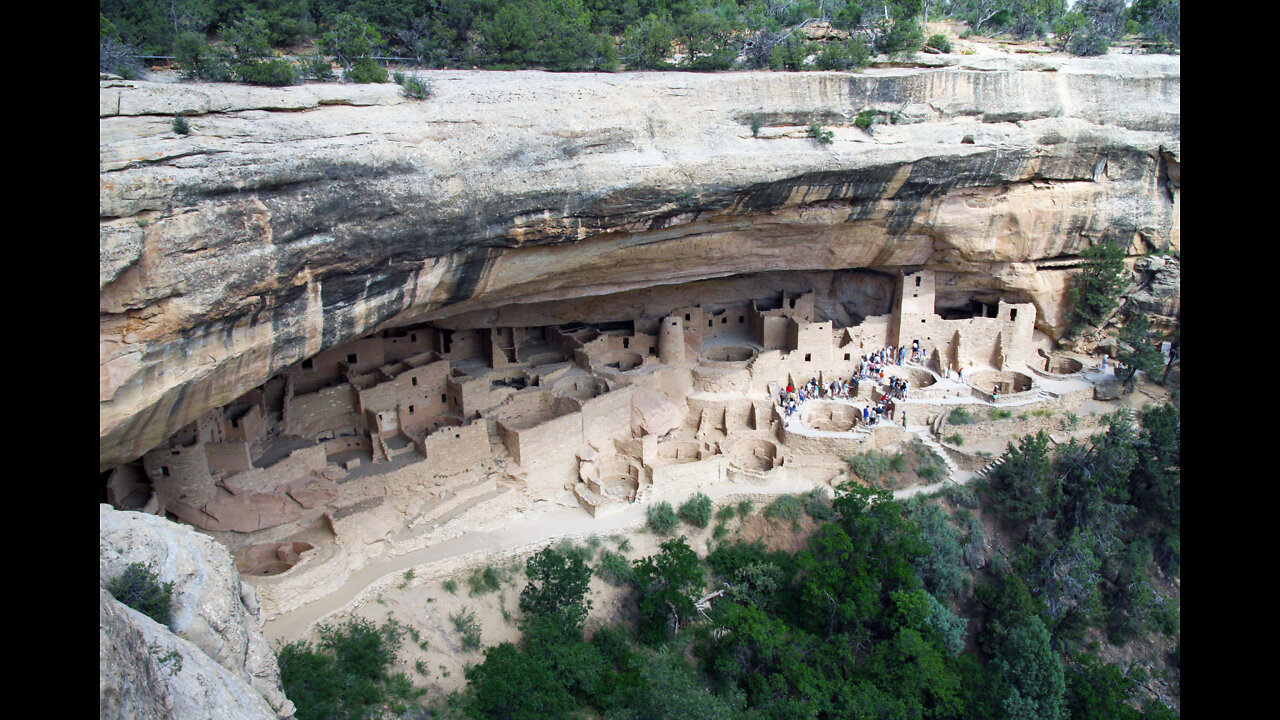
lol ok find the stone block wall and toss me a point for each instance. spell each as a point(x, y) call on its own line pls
point(316, 412)
point(454, 449)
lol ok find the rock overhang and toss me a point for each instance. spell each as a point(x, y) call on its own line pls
point(293, 220)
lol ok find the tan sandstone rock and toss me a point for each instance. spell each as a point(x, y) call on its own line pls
point(213, 612)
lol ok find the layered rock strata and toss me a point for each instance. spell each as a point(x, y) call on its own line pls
point(291, 220)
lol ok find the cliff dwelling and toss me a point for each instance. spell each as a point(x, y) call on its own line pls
point(382, 441)
point(340, 326)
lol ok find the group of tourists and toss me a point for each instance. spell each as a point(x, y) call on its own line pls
point(792, 398)
point(872, 365)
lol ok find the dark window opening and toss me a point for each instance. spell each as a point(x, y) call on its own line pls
point(413, 337)
point(410, 409)
point(846, 356)
point(917, 281)
point(352, 358)
point(308, 364)
point(724, 320)
point(806, 357)
point(444, 399)
point(742, 319)
point(711, 323)
point(686, 317)
point(164, 471)
point(626, 343)
point(413, 381)
point(1013, 314)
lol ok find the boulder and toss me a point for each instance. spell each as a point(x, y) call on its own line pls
point(213, 611)
point(653, 413)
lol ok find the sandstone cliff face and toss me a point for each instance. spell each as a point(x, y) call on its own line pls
point(291, 220)
point(226, 669)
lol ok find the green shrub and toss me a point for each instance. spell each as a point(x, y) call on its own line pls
point(1087, 44)
point(999, 413)
point(413, 88)
point(963, 496)
point(834, 56)
point(745, 507)
point(614, 568)
point(939, 42)
point(756, 123)
point(366, 70)
point(898, 462)
point(725, 513)
point(824, 137)
point(140, 588)
point(317, 67)
point(955, 439)
point(451, 586)
point(484, 580)
point(928, 472)
point(662, 518)
point(696, 510)
point(180, 125)
point(197, 60)
point(464, 621)
point(720, 532)
point(817, 506)
point(276, 72)
point(873, 466)
point(864, 119)
point(785, 507)
point(959, 416)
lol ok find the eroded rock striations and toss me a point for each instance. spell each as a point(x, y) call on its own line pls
point(292, 220)
point(211, 660)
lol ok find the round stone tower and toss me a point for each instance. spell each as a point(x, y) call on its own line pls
point(671, 341)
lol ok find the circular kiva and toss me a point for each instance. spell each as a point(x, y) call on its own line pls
point(728, 356)
point(1006, 381)
point(619, 360)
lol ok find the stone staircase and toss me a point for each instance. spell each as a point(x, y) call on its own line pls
point(991, 466)
point(940, 451)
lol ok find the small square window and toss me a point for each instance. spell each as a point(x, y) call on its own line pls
point(413, 337)
point(413, 381)
point(164, 471)
point(724, 320)
point(846, 356)
point(807, 357)
point(308, 364)
point(351, 358)
point(742, 319)
point(686, 318)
